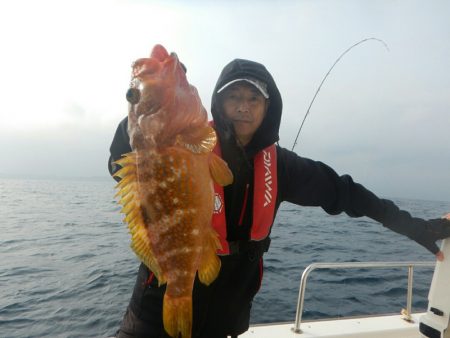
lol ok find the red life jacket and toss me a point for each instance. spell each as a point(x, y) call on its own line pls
point(264, 198)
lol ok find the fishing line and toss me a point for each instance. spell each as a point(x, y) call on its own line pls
point(325, 77)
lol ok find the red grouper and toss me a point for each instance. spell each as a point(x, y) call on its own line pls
point(166, 185)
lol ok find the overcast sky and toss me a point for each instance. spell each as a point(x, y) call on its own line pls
point(382, 116)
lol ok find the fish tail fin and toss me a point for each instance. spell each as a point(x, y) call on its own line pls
point(210, 264)
point(219, 170)
point(177, 316)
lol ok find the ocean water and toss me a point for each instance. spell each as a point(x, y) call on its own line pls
point(66, 269)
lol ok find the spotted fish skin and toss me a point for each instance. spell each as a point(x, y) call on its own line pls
point(166, 186)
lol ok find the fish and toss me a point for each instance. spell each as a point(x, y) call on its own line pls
point(166, 184)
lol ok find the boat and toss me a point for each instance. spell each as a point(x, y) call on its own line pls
point(434, 323)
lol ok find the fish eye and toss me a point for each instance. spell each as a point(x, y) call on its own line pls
point(133, 95)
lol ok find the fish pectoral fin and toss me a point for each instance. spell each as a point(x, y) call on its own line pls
point(210, 263)
point(219, 170)
point(200, 142)
point(177, 315)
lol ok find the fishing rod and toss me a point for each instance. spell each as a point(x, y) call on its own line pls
point(325, 77)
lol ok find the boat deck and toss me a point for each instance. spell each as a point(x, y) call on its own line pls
point(389, 326)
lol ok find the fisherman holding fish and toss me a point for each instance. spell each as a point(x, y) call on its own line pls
point(246, 110)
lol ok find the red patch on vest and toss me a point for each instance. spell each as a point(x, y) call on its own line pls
point(264, 198)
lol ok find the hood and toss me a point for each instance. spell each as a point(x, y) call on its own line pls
point(267, 133)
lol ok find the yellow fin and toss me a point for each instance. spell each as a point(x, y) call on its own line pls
point(202, 142)
point(209, 270)
point(128, 158)
point(210, 264)
point(125, 190)
point(126, 199)
point(130, 178)
point(128, 207)
point(177, 316)
point(140, 242)
point(125, 170)
point(131, 216)
point(219, 170)
point(127, 163)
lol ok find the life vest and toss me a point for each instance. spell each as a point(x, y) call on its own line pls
point(264, 198)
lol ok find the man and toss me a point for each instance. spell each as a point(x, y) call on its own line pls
point(246, 108)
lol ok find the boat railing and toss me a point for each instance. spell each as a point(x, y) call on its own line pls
point(352, 265)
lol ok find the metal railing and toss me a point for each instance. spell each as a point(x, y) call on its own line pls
point(351, 265)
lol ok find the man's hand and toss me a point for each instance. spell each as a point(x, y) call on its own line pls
point(427, 232)
point(440, 254)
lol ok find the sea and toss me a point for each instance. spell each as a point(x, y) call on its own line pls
point(66, 268)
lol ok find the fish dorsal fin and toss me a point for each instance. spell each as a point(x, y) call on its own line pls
point(128, 193)
point(202, 142)
point(219, 170)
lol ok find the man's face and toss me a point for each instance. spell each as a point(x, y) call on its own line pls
point(245, 107)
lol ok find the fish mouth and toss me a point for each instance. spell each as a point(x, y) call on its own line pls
point(145, 67)
point(145, 73)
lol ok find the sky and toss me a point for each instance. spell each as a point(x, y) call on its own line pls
point(382, 116)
